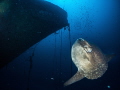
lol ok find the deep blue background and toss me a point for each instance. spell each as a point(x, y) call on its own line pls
point(97, 21)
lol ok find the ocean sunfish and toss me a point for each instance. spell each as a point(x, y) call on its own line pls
point(89, 60)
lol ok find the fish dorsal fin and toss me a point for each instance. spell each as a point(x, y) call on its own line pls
point(78, 76)
point(109, 57)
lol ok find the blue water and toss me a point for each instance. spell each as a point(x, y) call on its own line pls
point(47, 64)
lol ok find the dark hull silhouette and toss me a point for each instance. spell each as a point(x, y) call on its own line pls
point(24, 23)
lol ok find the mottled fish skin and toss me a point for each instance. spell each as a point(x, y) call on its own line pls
point(89, 60)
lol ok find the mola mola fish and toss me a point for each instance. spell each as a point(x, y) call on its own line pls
point(89, 60)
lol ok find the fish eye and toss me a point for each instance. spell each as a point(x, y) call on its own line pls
point(87, 49)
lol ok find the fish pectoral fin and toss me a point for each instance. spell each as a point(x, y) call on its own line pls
point(78, 76)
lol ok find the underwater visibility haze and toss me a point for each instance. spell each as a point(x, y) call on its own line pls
point(37, 39)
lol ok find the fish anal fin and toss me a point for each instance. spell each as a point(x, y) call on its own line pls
point(110, 56)
point(78, 76)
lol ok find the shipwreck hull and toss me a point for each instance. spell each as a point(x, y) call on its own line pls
point(24, 23)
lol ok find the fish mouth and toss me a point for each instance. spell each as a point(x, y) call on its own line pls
point(81, 39)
